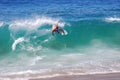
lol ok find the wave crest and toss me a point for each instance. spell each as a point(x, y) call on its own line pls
point(1, 24)
point(33, 23)
point(112, 19)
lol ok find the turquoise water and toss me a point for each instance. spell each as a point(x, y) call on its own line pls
point(91, 43)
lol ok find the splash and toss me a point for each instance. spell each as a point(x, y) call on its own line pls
point(33, 23)
point(1, 24)
point(112, 19)
point(65, 33)
point(17, 41)
point(36, 59)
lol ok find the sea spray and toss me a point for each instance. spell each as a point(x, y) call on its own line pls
point(17, 42)
point(33, 23)
point(112, 19)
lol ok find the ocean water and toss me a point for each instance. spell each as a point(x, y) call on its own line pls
point(91, 44)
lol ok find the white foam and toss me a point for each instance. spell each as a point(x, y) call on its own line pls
point(46, 40)
point(72, 55)
point(20, 73)
point(50, 76)
point(14, 79)
point(43, 32)
point(112, 19)
point(33, 23)
point(1, 24)
point(29, 74)
point(34, 60)
point(17, 41)
point(32, 48)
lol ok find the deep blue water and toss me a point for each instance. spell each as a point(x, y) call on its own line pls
point(92, 39)
point(67, 9)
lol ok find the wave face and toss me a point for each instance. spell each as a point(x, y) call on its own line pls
point(91, 42)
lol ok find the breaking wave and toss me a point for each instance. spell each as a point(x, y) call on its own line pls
point(113, 19)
